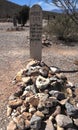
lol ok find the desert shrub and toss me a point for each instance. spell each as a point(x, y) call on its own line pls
point(23, 15)
point(64, 28)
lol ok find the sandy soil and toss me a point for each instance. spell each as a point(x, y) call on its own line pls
point(14, 55)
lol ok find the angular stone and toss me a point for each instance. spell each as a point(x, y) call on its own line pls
point(44, 72)
point(56, 85)
point(35, 122)
point(9, 111)
point(31, 88)
point(27, 124)
point(63, 102)
point(26, 79)
point(42, 96)
point(69, 92)
point(53, 101)
point(11, 126)
point(76, 122)
point(33, 71)
point(49, 125)
point(63, 121)
point(71, 110)
point(31, 63)
point(61, 76)
point(33, 100)
point(15, 103)
point(15, 114)
point(32, 110)
point(19, 76)
point(18, 92)
point(69, 84)
point(20, 122)
point(59, 128)
point(26, 104)
point(41, 106)
point(26, 115)
point(57, 111)
point(23, 108)
point(41, 82)
point(48, 103)
point(45, 111)
point(39, 113)
point(27, 93)
point(77, 105)
point(53, 79)
point(12, 97)
point(57, 94)
point(54, 69)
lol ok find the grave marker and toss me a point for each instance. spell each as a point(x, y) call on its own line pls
point(36, 32)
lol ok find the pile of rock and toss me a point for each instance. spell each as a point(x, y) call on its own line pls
point(44, 100)
point(46, 40)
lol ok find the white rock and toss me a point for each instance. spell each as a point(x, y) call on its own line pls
point(11, 126)
point(42, 82)
point(63, 120)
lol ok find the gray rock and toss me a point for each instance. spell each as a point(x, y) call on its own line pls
point(56, 85)
point(31, 88)
point(52, 79)
point(45, 111)
point(33, 70)
point(54, 69)
point(61, 76)
point(64, 121)
point(57, 94)
point(71, 110)
point(44, 72)
point(35, 122)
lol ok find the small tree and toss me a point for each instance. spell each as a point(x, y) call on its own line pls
point(69, 7)
point(65, 26)
point(23, 15)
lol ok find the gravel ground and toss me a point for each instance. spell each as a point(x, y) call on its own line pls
point(14, 55)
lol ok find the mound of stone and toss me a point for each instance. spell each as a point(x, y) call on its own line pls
point(44, 100)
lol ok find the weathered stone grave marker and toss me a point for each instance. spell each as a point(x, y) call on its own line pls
point(36, 32)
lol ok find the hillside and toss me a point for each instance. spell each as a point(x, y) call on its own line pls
point(8, 8)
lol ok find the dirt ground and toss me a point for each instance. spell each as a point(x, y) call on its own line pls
point(14, 55)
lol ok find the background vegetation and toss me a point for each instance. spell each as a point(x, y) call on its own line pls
point(23, 15)
point(63, 27)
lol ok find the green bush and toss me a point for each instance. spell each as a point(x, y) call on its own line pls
point(64, 28)
point(23, 15)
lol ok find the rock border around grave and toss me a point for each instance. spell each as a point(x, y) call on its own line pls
point(51, 99)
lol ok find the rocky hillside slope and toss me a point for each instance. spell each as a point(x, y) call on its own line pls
point(8, 8)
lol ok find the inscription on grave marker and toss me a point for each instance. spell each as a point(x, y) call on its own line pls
point(36, 32)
